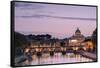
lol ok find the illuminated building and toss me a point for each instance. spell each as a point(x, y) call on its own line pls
point(76, 39)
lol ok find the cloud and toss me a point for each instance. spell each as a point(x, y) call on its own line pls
point(23, 5)
point(31, 16)
point(58, 17)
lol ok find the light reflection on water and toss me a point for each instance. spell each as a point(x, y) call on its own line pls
point(57, 58)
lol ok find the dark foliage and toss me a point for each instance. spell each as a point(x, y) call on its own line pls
point(20, 40)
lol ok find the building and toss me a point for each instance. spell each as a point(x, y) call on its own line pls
point(76, 39)
point(94, 39)
point(91, 42)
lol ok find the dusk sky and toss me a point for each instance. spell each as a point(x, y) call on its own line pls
point(58, 20)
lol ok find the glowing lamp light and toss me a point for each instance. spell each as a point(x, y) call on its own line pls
point(73, 40)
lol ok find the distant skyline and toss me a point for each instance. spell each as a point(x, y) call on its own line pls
point(58, 20)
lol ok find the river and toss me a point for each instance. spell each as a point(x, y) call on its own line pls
point(57, 58)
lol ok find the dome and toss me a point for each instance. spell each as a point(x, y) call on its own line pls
point(77, 31)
